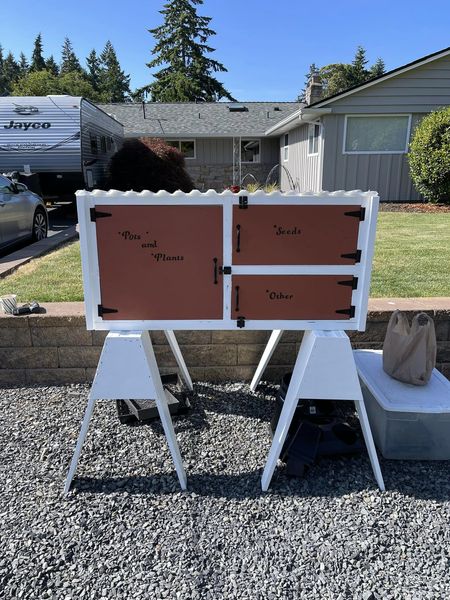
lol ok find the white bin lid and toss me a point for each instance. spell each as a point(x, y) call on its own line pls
point(393, 395)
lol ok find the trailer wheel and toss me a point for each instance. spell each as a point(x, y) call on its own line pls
point(40, 225)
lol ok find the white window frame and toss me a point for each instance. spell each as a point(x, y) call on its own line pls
point(250, 139)
point(178, 141)
point(310, 127)
point(408, 134)
point(285, 147)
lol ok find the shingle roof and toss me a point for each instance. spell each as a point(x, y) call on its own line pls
point(203, 119)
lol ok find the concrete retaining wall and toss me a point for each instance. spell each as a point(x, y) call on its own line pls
point(55, 348)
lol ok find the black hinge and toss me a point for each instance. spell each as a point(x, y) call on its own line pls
point(243, 201)
point(353, 283)
point(347, 311)
point(240, 321)
point(225, 270)
point(359, 214)
point(102, 310)
point(356, 256)
point(96, 214)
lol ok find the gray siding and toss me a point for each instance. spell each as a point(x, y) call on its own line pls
point(388, 174)
point(419, 90)
point(304, 169)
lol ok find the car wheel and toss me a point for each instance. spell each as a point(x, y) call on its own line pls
point(39, 225)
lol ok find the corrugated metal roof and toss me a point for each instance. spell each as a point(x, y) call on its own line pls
point(203, 119)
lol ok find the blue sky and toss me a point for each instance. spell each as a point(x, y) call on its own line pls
point(266, 45)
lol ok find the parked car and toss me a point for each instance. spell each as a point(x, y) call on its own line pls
point(22, 213)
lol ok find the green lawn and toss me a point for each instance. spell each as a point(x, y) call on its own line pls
point(412, 259)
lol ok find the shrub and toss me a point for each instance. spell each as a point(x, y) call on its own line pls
point(429, 156)
point(148, 164)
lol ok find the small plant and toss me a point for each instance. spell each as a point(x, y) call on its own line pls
point(271, 187)
point(252, 187)
point(429, 156)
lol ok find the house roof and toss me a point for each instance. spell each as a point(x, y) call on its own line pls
point(397, 71)
point(202, 119)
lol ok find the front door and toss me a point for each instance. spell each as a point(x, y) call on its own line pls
point(160, 262)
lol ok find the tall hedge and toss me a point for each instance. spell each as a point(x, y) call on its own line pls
point(148, 164)
point(429, 156)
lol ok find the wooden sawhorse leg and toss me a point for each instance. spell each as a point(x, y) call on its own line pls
point(275, 337)
point(127, 369)
point(324, 369)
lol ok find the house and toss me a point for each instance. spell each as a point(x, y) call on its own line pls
point(223, 143)
point(359, 139)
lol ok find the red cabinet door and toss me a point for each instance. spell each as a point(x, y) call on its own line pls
point(298, 297)
point(160, 262)
point(295, 235)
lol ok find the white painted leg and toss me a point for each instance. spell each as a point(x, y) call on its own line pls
point(179, 358)
point(80, 441)
point(163, 409)
point(325, 369)
point(367, 433)
point(275, 337)
point(127, 369)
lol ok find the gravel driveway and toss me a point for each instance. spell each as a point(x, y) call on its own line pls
point(126, 531)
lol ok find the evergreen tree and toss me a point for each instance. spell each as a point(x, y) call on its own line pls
point(114, 85)
point(378, 68)
point(181, 48)
point(69, 60)
point(37, 59)
point(3, 90)
point(94, 70)
point(23, 65)
point(51, 66)
point(358, 72)
point(10, 72)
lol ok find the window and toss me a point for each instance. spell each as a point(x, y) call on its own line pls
point(313, 138)
point(94, 144)
point(250, 151)
point(103, 144)
point(5, 185)
point(376, 134)
point(286, 147)
point(186, 147)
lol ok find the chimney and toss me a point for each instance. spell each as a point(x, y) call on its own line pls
point(313, 90)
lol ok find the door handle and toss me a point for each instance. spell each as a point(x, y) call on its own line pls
point(215, 271)
point(238, 238)
point(236, 304)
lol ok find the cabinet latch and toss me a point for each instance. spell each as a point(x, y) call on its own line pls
point(240, 322)
point(243, 201)
point(225, 270)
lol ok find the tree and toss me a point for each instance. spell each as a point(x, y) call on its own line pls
point(50, 65)
point(3, 90)
point(69, 60)
point(429, 156)
point(378, 68)
point(36, 83)
point(37, 59)
point(24, 67)
point(181, 48)
point(93, 70)
point(114, 85)
point(358, 72)
point(75, 84)
point(10, 72)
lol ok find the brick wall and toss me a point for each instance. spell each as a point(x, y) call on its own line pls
point(55, 348)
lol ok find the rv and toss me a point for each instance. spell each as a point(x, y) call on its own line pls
point(66, 140)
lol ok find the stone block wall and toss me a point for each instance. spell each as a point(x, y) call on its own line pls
point(56, 348)
point(218, 177)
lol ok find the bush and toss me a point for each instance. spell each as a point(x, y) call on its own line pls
point(429, 156)
point(148, 164)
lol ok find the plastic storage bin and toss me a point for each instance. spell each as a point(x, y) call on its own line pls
point(407, 421)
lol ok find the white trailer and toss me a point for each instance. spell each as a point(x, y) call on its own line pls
point(67, 140)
